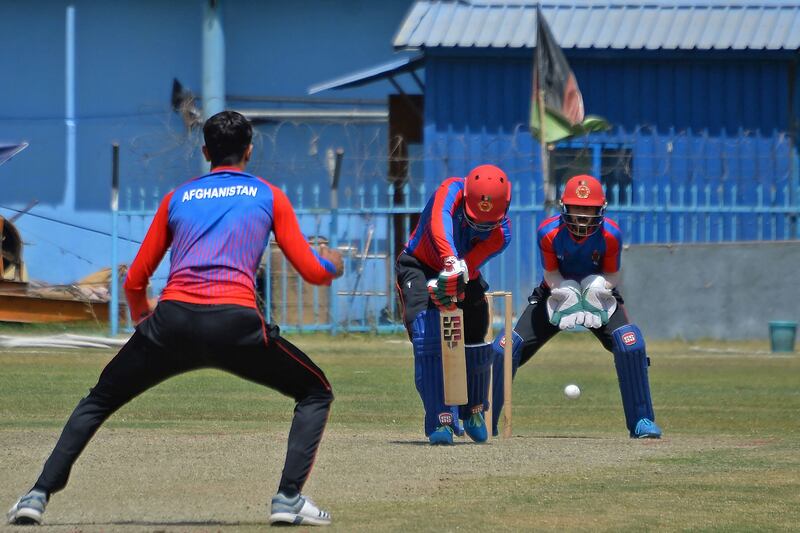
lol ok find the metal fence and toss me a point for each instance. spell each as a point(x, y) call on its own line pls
point(663, 187)
point(363, 228)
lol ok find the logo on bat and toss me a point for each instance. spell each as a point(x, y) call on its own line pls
point(451, 330)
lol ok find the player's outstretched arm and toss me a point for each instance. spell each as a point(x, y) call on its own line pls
point(150, 253)
point(319, 268)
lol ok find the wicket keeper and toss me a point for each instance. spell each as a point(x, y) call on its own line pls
point(580, 251)
point(463, 225)
point(217, 226)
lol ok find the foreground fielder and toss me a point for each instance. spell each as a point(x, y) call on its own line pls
point(463, 225)
point(580, 251)
point(218, 226)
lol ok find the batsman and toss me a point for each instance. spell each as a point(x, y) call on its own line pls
point(463, 225)
point(580, 251)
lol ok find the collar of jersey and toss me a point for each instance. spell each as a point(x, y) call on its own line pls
point(235, 170)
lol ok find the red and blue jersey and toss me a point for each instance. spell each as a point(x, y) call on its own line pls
point(442, 231)
point(598, 253)
point(218, 226)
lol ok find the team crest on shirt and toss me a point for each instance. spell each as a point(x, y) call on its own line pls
point(485, 204)
point(596, 257)
point(582, 190)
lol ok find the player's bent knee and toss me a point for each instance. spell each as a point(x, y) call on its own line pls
point(627, 339)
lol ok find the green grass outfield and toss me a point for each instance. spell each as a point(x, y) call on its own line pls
point(203, 452)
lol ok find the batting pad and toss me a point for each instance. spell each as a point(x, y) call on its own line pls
point(428, 371)
point(479, 361)
point(631, 362)
point(498, 376)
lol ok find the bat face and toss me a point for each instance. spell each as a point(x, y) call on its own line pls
point(454, 362)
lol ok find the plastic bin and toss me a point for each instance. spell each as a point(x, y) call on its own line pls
point(782, 335)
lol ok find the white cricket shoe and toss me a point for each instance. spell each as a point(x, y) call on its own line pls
point(299, 510)
point(29, 509)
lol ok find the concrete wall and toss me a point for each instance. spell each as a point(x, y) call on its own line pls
point(720, 291)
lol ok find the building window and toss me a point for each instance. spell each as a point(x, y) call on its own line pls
point(612, 163)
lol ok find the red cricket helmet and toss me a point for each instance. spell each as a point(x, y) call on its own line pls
point(487, 195)
point(583, 190)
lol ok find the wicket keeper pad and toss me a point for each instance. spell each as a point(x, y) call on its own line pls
point(479, 361)
point(631, 362)
point(428, 371)
point(498, 376)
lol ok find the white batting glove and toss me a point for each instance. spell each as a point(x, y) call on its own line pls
point(597, 300)
point(564, 303)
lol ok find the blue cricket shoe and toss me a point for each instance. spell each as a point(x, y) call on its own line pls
point(475, 427)
point(29, 509)
point(442, 435)
point(646, 429)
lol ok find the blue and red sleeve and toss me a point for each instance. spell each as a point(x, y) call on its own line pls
point(546, 235)
point(496, 242)
point(150, 254)
point(313, 268)
point(446, 199)
point(612, 236)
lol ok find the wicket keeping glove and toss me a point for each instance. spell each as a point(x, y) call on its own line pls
point(597, 300)
point(564, 305)
point(453, 278)
point(440, 299)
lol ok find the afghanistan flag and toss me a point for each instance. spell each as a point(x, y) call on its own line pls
point(563, 103)
point(7, 151)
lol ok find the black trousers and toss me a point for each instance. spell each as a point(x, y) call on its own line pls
point(412, 287)
point(179, 337)
point(535, 328)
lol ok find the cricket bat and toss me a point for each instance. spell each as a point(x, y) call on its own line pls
point(454, 361)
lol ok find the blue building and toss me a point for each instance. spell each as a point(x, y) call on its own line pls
point(80, 75)
point(698, 93)
point(703, 98)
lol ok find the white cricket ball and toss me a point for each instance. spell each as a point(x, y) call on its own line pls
point(572, 391)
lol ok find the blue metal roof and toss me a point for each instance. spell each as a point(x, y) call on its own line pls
point(363, 77)
point(633, 25)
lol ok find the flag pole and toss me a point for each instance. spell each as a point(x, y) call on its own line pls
point(549, 189)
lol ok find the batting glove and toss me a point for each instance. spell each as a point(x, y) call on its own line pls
point(440, 299)
point(453, 279)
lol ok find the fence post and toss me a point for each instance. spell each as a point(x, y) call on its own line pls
point(113, 312)
point(334, 240)
point(794, 190)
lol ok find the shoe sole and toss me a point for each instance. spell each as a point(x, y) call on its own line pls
point(24, 517)
point(297, 520)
